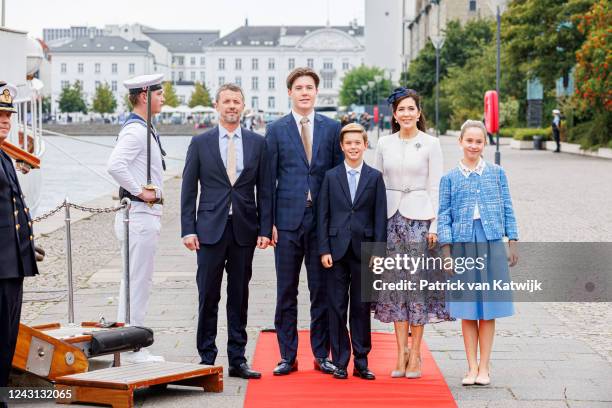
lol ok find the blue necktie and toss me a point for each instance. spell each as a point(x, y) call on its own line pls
point(352, 183)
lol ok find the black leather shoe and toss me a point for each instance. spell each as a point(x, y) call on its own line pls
point(340, 374)
point(364, 373)
point(244, 371)
point(324, 365)
point(284, 367)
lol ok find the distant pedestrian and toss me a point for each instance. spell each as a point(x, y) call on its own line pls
point(556, 125)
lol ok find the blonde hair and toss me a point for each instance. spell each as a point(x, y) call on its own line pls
point(471, 123)
point(356, 128)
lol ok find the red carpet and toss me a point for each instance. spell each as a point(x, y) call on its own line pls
point(310, 388)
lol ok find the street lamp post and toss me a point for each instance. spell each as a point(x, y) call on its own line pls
point(371, 88)
point(437, 41)
point(364, 88)
point(497, 78)
point(358, 92)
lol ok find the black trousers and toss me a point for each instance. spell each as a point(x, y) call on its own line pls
point(292, 248)
point(557, 138)
point(11, 296)
point(238, 262)
point(344, 290)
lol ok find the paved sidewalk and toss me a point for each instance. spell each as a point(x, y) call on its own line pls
point(547, 355)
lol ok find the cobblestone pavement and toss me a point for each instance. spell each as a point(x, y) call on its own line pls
point(547, 355)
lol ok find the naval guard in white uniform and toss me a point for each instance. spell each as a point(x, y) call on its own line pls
point(138, 169)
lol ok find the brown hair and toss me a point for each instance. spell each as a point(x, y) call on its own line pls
point(300, 72)
point(228, 87)
point(421, 124)
point(133, 98)
point(354, 128)
point(470, 123)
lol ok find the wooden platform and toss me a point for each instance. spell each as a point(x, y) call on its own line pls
point(115, 386)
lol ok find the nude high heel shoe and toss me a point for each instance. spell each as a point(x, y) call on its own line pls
point(414, 374)
point(482, 380)
point(399, 373)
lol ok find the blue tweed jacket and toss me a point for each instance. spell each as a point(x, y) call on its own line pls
point(458, 197)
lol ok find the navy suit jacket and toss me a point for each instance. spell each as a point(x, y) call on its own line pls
point(291, 176)
point(251, 217)
point(16, 244)
point(341, 222)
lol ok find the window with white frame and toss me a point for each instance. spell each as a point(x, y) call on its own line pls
point(81, 68)
point(291, 64)
point(310, 62)
point(328, 65)
point(202, 76)
point(97, 84)
point(132, 68)
point(221, 81)
point(238, 64)
point(193, 75)
point(254, 102)
point(65, 84)
point(255, 83)
point(271, 63)
point(202, 61)
point(63, 68)
point(271, 83)
point(97, 67)
point(221, 64)
point(114, 68)
point(114, 86)
point(271, 102)
point(254, 64)
point(328, 83)
point(472, 5)
point(192, 60)
point(238, 81)
point(345, 65)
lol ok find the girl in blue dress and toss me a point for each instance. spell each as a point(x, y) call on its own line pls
point(475, 214)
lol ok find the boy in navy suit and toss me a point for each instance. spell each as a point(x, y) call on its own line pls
point(352, 210)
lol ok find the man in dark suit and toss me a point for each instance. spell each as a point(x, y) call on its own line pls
point(302, 146)
point(352, 210)
point(229, 163)
point(16, 242)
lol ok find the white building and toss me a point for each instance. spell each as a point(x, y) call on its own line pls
point(259, 58)
point(94, 61)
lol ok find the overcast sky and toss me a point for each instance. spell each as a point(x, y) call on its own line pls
point(224, 15)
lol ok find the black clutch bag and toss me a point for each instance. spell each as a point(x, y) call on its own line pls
point(120, 339)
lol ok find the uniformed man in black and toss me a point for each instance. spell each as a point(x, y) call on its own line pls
point(17, 257)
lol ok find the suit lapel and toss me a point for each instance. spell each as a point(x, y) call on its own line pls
point(294, 135)
point(213, 145)
point(317, 135)
point(363, 181)
point(342, 176)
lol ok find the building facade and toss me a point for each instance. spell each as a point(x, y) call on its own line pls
point(94, 61)
point(259, 58)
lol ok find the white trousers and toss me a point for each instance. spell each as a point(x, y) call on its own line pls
point(144, 237)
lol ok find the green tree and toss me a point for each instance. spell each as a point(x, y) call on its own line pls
point(104, 100)
point(541, 37)
point(170, 95)
point(200, 96)
point(355, 78)
point(71, 99)
point(460, 45)
point(46, 105)
point(126, 103)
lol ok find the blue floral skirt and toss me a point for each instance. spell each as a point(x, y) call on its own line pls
point(417, 307)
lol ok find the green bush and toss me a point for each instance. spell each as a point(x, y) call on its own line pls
point(529, 133)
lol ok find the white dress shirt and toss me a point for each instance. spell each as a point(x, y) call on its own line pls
point(127, 165)
point(466, 171)
point(297, 117)
point(358, 169)
point(412, 170)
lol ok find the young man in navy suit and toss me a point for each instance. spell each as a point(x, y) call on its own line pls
point(352, 210)
point(229, 163)
point(301, 146)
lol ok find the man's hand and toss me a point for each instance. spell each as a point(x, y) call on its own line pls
point(23, 167)
point(274, 236)
point(263, 242)
point(147, 195)
point(327, 261)
point(512, 253)
point(192, 243)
